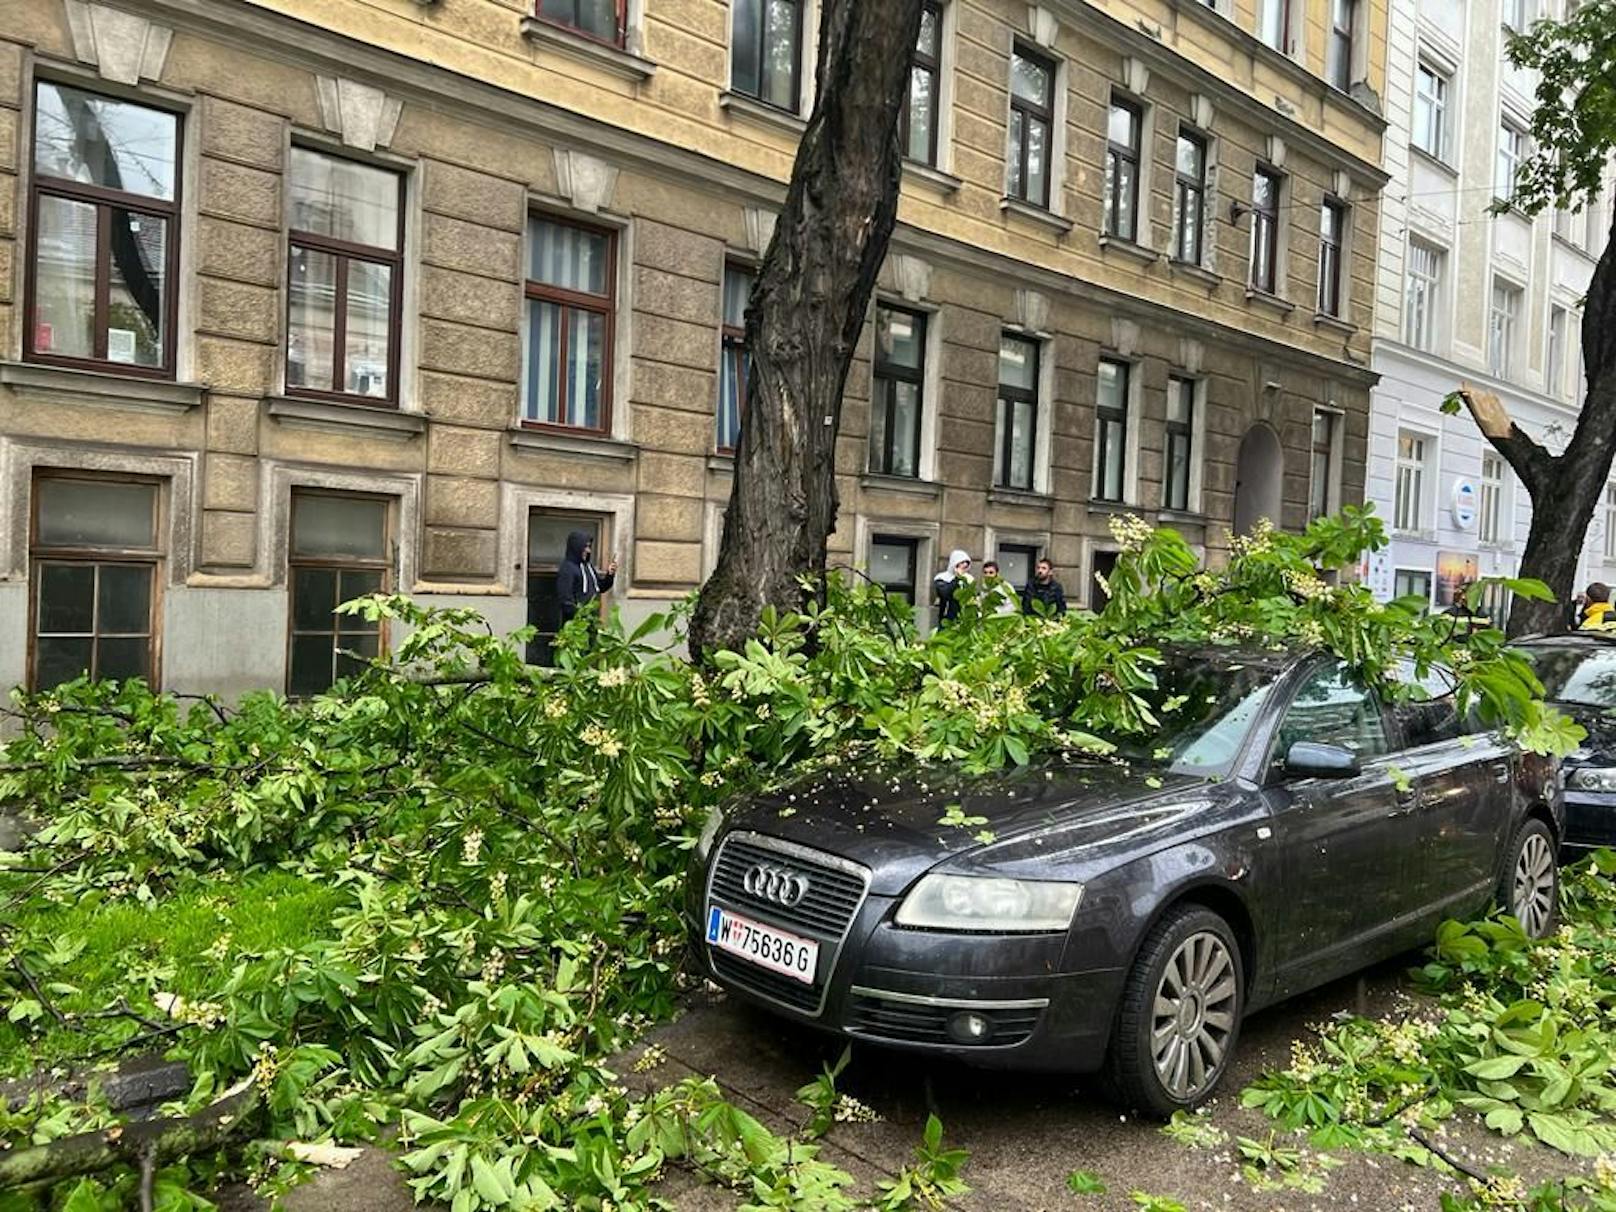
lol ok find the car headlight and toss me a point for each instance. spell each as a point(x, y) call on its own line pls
point(990, 903)
point(1591, 778)
point(709, 834)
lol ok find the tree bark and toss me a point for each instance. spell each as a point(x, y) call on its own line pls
point(804, 319)
point(1568, 487)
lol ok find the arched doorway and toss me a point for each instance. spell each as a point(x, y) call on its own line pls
point(1259, 478)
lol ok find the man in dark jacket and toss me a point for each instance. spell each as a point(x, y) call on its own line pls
point(577, 582)
point(1044, 590)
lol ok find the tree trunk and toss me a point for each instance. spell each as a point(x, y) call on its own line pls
point(1568, 487)
point(804, 320)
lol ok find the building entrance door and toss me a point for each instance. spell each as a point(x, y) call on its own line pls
point(1259, 478)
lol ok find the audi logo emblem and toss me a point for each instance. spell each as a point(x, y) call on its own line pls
point(781, 885)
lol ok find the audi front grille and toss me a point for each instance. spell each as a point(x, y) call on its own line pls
point(824, 911)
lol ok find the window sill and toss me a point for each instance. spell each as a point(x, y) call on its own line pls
point(1020, 496)
point(614, 59)
point(739, 105)
point(1578, 249)
point(107, 389)
point(1038, 214)
point(936, 178)
point(913, 485)
point(1097, 505)
point(722, 463)
point(369, 420)
point(1325, 320)
point(1436, 162)
point(1130, 248)
point(1502, 548)
point(590, 446)
point(1273, 302)
point(1418, 536)
point(1198, 273)
point(1188, 517)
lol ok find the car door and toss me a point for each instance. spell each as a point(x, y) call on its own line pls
point(1346, 842)
point(1464, 785)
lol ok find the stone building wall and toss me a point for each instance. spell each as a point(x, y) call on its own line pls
point(490, 127)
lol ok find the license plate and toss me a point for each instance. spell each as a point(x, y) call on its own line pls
point(778, 951)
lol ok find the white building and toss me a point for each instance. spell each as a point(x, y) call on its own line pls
point(1467, 296)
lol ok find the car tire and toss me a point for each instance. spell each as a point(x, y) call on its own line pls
point(1171, 1046)
point(1530, 887)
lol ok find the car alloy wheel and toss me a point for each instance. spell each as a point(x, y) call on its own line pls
point(1193, 1016)
point(1532, 889)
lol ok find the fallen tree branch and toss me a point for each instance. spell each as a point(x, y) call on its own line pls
point(147, 1142)
point(1437, 1151)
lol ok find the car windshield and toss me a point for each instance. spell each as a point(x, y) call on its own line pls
point(1575, 674)
point(1206, 703)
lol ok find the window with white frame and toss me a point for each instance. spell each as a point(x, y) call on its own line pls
point(1421, 295)
point(1032, 124)
point(1503, 322)
point(1411, 583)
point(1274, 23)
point(1018, 413)
point(1180, 451)
point(733, 356)
point(1490, 525)
point(1111, 430)
point(1408, 503)
point(1123, 133)
point(1431, 110)
point(1266, 186)
point(1511, 151)
point(1324, 492)
point(893, 565)
point(1342, 34)
point(1554, 355)
point(1517, 14)
point(1332, 245)
point(898, 387)
point(919, 118)
point(1610, 523)
point(766, 51)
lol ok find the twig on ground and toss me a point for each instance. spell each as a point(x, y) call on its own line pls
point(1437, 1151)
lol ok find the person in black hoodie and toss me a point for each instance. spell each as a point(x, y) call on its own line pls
point(1045, 590)
point(577, 582)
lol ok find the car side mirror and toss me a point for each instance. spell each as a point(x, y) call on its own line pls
point(1312, 760)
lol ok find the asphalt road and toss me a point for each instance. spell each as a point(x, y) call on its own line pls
point(1024, 1134)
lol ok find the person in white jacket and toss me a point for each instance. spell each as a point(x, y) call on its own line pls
point(945, 584)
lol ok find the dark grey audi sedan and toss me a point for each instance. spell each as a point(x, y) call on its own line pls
point(1284, 827)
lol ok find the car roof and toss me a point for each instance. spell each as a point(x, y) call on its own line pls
point(1246, 655)
point(1567, 639)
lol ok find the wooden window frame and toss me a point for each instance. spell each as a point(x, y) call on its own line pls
point(1265, 230)
point(883, 392)
point(1176, 433)
point(620, 7)
point(912, 546)
point(567, 299)
point(732, 344)
point(1031, 112)
point(1332, 252)
point(345, 252)
point(1184, 186)
point(1117, 157)
point(1009, 396)
point(40, 554)
point(763, 57)
point(932, 65)
point(105, 200)
point(1102, 446)
point(338, 564)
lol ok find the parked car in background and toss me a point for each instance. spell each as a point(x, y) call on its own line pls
point(1285, 827)
point(1578, 672)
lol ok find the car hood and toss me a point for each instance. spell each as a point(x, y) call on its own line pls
point(1079, 813)
point(1599, 747)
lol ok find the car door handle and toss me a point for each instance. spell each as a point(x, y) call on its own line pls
point(1404, 803)
point(1501, 772)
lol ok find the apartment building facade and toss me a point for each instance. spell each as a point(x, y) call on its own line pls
point(1465, 295)
point(306, 299)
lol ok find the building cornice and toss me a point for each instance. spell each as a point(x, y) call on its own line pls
point(300, 44)
point(1384, 350)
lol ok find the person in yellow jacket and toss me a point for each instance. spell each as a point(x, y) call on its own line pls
point(1596, 614)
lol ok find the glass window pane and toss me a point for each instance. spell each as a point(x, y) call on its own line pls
point(547, 538)
point(137, 306)
point(597, 18)
point(891, 563)
point(64, 278)
point(1029, 80)
point(586, 367)
point(356, 653)
point(1024, 418)
point(922, 115)
point(1190, 154)
point(66, 599)
point(312, 660)
point(780, 54)
point(1112, 385)
point(59, 659)
point(311, 320)
point(1018, 363)
point(930, 31)
point(355, 583)
point(102, 141)
point(124, 597)
point(1037, 161)
point(900, 337)
point(96, 513)
point(569, 257)
point(370, 308)
point(1122, 128)
point(737, 291)
point(314, 597)
point(731, 381)
point(1015, 564)
point(122, 658)
point(746, 73)
point(878, 425)
point(1115, 453)
point(1180, 400)
point(543, 362)
point(338, 526)
point(1017, 186)
point(905, 429)
point(342, 199)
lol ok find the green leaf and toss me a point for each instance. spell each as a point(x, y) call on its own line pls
point(1495, 1068)
point(1507, 1120)
point(1084, 1182)
point(492, 1182)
